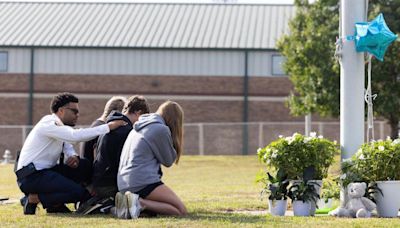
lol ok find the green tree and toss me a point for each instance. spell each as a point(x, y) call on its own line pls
point(386, 74)
point(309, 50)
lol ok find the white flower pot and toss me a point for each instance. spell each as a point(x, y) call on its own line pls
point(277, 207)
point(300, 208)
point(317, 188)
point(388, 205)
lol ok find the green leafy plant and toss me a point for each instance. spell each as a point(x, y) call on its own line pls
point(377, 161)
point(330, 189)
point(372, 190)
point(276, 187)
point(304, 190)
point(293, 154)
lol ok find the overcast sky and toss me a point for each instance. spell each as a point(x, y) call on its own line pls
point(164, 1)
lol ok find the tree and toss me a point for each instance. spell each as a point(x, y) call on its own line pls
point(309, 50)
point(386, 74)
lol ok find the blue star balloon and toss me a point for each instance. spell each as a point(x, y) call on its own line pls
point(374, 37)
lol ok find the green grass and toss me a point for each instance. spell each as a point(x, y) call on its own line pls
point(219, 191)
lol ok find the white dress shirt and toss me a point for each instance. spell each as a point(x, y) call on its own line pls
point(44, 143)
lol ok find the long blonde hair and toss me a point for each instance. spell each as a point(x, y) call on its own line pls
point(172, 113)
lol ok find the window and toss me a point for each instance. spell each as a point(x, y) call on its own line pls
point(3, 61)
point(277, 65)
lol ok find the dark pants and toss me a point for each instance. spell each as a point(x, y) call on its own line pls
point(58, 185)
point(105, 191)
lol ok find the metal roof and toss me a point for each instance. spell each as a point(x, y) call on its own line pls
point(142, 25)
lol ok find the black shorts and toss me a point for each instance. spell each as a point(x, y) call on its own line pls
point(144, 192)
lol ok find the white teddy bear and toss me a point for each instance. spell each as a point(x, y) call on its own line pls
point(357, 206)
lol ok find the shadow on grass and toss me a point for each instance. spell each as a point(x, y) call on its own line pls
point(225, 217)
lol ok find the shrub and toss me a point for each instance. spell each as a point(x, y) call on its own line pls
point(297, 152)
point(378, 161)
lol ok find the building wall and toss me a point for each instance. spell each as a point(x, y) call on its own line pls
point(140, 62)
point(197, 109)
point(208, 85)
point(212, 80)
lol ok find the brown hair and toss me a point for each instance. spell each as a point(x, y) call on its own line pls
point(137, 103)
point(172, 113)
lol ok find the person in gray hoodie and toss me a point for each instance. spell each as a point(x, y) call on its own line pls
point(157, 139)
point(108, 152)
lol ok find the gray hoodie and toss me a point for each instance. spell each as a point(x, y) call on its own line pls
point(146, 147)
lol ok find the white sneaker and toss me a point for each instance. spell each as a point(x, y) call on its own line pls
point(133, 204)
point(121, 206)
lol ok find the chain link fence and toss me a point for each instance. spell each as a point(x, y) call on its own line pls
point(215, 138)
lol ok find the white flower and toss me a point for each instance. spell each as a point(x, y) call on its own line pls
point(359, 154)
point(306, 139)
point(388, 138)
point(265, 157)
point(396, 141)
point(259, 150)
point(334, 142)
point(274, 155)
point(343, 176)
point(280, 136)
point(313, 134)
point(346, 160)
point(381, 148)
point(320, 136)
point(289, 140)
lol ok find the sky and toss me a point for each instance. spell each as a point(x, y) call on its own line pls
point(165, 1)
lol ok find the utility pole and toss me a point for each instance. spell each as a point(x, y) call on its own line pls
point(352, 72)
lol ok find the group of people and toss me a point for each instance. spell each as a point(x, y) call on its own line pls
point(119, 168)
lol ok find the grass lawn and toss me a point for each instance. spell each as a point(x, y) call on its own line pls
point(219, 191)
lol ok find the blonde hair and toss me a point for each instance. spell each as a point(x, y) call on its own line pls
point(115, 103)
point(172, 113)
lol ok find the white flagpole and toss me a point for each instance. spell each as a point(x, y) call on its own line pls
point(352, 80)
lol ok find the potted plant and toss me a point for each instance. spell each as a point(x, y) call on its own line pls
point(303, 194)
point(379, 162)
point(297, 152)
point(277, 189)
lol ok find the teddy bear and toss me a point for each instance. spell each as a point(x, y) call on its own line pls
point(357, 205)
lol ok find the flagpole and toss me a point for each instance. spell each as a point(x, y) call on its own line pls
point(352, 81)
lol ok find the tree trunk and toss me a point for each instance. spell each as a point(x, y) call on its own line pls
point(394, 128)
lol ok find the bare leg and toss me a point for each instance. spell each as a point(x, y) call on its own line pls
point(163, 200)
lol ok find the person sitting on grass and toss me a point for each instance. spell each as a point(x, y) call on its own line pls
point(38, 174)
point(88, 149)
point(109, 147)
point(157, 139)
